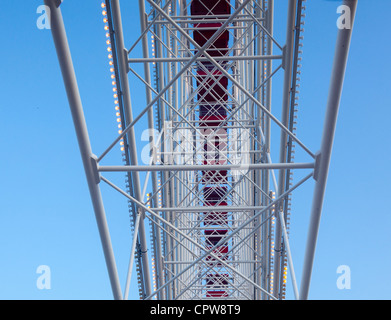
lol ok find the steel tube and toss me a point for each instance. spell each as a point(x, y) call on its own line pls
point(117, 21)
point(131, 259)
point(223, 58)
point(290, 32)
point(75, 104)
point(148, 94)
point(336, 84)
point(210, 209)
point(259, 166)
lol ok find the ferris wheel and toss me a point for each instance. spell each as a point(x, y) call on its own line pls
point(211, 219)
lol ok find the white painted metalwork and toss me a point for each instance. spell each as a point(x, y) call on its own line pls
point(218, 218)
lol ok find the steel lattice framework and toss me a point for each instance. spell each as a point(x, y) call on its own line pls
point(218, 207)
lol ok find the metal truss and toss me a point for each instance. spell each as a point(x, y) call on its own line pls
point(218, 207)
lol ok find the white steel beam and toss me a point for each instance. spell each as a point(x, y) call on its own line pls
point(336, 84)
point(288, 57)
point(75, 104)
point(117, 21)
point(184, 167)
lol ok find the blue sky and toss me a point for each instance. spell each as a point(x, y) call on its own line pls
point(46, 216)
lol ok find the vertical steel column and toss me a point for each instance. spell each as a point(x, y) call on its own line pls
point(288, 57)
point(259, 178)
point(75, 104)
point(336, 84)
point(148, 93)
point(122, 61)
point(266, 226)
point(162, 79)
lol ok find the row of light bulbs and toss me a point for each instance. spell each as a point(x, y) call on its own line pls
point(112, 76)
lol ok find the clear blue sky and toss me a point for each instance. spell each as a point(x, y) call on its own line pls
point(46, 216)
